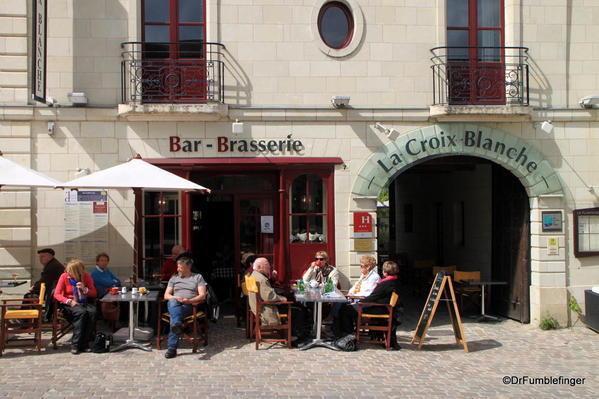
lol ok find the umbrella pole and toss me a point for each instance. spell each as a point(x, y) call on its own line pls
point(137, 234)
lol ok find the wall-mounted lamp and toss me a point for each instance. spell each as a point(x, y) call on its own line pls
point(82, 172)
point(340, 101)
point(237, 127)
point(77, 99)
point(547, 127)
point(390, 132)
point(589, 101)
point(51, 126)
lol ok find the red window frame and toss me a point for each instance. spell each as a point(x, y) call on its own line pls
point(174, 24)
point(161, 216)
point(350, 20)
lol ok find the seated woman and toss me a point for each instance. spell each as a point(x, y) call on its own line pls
point(344, 324)
point(320, 270)
point(73, 291)
point(368, 279)
point(103, 277)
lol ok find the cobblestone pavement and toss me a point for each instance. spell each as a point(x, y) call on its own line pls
point(231, 367)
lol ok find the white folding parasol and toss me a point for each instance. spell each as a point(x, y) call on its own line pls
point(134, 174)
point(13, 174)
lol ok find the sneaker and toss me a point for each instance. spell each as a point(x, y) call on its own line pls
point(170, 353)
point(177, 328)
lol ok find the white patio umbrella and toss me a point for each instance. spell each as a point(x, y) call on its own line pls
point(135, 174)
point(13, 174)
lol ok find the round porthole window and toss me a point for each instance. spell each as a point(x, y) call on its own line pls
point(335, 25)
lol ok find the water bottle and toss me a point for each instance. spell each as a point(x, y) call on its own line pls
point(301, 286)
point(328, 287)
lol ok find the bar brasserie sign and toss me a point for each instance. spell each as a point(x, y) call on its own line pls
point(38, 79)
point(224, 144)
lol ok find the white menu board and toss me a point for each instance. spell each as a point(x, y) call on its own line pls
point(86, 224)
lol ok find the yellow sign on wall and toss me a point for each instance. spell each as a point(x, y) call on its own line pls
point(364, 244)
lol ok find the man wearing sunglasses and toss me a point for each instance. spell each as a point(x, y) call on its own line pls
point(320, 270)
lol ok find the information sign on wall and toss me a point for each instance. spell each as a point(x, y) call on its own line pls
point(86, 224)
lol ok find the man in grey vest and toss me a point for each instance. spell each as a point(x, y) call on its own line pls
point(184, 290)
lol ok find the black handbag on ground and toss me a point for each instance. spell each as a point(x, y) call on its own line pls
point(102, 343)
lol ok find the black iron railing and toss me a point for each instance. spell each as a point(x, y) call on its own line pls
point(480, 75)
point(189, 72)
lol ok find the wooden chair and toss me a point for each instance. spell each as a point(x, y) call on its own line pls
point(197, 323)
point(249, 316)
point(462, 290)
point(22, 316)
point(60, 325)
point(268, 333)
point(368, 322)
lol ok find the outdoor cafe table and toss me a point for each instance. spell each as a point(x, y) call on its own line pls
point(483, 316)
point(315, 295)
point(7, 284)
point(131, 298)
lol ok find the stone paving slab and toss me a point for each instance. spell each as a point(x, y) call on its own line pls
point(230, 367)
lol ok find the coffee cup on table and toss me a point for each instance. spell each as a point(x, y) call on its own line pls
point(134, 291)
point(123, 290)
point(114, 290)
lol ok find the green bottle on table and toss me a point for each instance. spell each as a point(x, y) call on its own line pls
point(328, 287)
point(301, 286)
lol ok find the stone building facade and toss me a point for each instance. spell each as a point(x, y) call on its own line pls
point(420, 120)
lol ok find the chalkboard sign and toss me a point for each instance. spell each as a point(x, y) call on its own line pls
point(440, 285)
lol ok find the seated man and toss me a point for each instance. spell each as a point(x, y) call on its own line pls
point(270, 313)
point(184, 290)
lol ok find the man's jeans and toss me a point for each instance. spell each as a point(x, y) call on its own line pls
point(178, 312)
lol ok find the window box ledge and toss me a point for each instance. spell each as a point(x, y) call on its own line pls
point(151, 112)
point(491, 113)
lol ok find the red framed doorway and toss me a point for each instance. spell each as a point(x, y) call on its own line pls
point(273, 196)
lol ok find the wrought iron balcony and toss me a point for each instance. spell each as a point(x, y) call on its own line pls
point(189, 72)
point(480, 75)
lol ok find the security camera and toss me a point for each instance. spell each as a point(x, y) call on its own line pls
point(589, 101)
point(391, 133)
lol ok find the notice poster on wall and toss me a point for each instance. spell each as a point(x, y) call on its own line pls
point(86, 224)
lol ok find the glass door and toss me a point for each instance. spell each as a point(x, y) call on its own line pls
point(174, 54)
point(475, 37)
point(257, 227)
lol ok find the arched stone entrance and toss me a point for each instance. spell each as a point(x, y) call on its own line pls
point(521, 158)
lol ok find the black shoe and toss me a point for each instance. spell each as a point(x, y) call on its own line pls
point(75, 351)
point(177, 328)
point(170, 353)
point(395, 347)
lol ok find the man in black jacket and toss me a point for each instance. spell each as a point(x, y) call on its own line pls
point(344, 324)
point(50, 273)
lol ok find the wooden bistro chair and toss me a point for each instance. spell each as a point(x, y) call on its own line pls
point(471, 293)
point(376, 322)
point(249, 315)
point(196, 323)
point(22, 316)
point(269, 333)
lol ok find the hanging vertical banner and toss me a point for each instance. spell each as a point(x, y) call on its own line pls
point(38, 78)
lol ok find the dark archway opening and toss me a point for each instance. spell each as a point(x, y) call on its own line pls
point(466, 212)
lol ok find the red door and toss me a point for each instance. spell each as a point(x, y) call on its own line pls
point(174, 53)
point(475, 37)
point(256, 225)
point(310, 218)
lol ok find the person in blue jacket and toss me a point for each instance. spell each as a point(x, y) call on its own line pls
point(103, 277)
